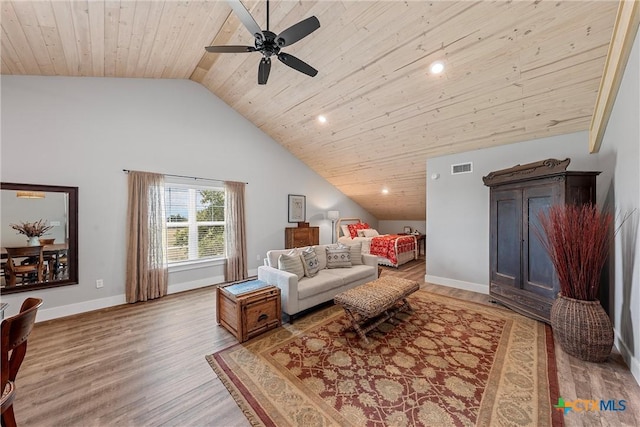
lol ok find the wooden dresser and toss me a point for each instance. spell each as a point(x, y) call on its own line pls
point(297, 237)
point(522, 276)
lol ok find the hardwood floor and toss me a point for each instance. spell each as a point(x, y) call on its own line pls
point(144, 365)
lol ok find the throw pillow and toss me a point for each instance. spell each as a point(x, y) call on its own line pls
point(370, 233)
point(353, 228)
point(322, 256)
point(292, 264)
point(345, 230)
point(311, 264)
point(356, 254)
point(338, 257)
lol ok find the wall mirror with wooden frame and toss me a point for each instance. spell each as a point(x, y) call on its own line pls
point(57, 264)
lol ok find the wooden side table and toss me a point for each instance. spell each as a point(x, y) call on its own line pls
point(248, 308)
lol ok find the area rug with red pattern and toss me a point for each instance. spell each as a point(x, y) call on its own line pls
point(446, 363)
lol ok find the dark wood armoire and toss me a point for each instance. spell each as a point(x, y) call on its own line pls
point(522, 276)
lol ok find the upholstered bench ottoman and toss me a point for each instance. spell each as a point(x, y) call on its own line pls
point(375, 302)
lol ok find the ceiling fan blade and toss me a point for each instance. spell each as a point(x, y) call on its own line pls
point(263, 70)
point(298, 31)
point(245, 17)
point(297, 64)
point(230, 49)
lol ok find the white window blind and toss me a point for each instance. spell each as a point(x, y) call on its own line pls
point(195, 222)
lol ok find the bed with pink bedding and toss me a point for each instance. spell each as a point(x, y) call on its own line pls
point(391, 249)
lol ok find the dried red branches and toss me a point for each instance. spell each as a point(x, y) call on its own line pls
point(32, 229)
point(577, 240)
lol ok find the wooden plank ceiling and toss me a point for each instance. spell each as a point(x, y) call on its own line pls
point(515, 71)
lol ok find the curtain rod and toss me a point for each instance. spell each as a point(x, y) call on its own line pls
point(185, 176)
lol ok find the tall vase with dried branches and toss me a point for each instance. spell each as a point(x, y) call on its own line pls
point(577, 239)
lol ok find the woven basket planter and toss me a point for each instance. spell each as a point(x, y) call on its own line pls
point(582, 328)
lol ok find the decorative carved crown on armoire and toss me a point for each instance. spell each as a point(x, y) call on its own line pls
point(522, 276)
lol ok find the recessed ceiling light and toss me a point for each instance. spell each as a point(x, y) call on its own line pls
point(322, 119)
point(385, 191)
point(437, 67)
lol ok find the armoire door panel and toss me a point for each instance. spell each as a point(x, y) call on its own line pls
point(507, 237)
point(539, 274)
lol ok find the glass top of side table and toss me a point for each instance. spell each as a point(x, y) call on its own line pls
point(244, 287)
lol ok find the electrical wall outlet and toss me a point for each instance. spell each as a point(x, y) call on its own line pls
point(258, 257)
point(99, 283)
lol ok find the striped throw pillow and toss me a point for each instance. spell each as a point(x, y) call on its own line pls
point(291, 263)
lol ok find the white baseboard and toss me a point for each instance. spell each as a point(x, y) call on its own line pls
point(459, 284)
point(80, 307)
point(97, 304)
point(627, 355)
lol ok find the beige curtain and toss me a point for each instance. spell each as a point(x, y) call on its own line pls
point(147, 272)
point(234, 232)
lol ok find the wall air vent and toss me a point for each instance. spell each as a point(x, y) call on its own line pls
point(461, 168)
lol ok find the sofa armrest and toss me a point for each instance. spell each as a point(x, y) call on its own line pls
point(288, 284)
point(371, 260)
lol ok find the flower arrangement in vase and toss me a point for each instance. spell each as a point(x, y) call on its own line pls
point(577, 239)
point(33, 230)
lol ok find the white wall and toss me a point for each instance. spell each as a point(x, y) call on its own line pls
point(83, 131)
point(622, 143)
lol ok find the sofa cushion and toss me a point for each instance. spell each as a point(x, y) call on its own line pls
point(291, 263)
point(310, 260)
point(322, 256)
point(322, 282)
point(352, 274)
point(338, 257)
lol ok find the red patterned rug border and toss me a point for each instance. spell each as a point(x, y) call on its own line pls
point(557, 417)
point(249, 406)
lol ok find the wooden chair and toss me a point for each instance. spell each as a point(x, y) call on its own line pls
point(49, 260)
point(34, 264)
point(15, 331)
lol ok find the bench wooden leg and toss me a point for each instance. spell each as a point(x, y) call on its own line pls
point(358, 321)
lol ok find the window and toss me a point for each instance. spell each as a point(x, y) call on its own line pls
point(195, 222)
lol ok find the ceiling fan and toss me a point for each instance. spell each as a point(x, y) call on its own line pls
point(269, 44)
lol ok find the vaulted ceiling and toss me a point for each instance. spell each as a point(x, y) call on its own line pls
point(515, 71)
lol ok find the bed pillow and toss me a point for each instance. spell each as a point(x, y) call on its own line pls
point(356, 254)
point(370, 233)
point(353, 228)
point(345, 230)
point(338, 257)
point(311, 263)
point(292, 264)
point(322, 256)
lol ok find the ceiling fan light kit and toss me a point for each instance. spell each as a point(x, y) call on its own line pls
point(269, 44)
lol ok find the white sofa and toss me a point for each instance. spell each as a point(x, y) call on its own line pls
point(298, 295)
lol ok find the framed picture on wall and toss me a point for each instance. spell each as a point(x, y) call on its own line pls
point(297, 208)
point(407, 229)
